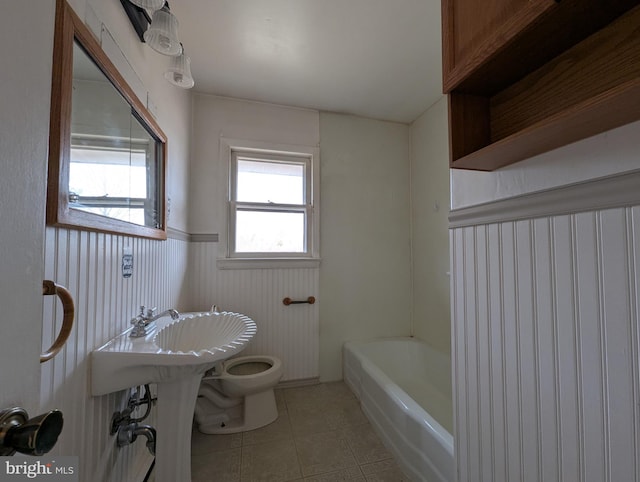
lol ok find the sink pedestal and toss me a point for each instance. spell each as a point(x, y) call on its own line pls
point(175, 406)
point(174, 355)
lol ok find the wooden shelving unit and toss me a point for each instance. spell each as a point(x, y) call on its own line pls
point(537, 75)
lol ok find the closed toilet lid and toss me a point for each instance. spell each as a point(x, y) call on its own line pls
point(248, 368)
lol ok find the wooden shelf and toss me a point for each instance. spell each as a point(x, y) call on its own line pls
point(588, 88)
point(480, 42)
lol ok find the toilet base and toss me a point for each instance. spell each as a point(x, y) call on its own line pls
point(259, 410)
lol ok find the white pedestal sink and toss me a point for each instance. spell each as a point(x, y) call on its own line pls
point(174, 355)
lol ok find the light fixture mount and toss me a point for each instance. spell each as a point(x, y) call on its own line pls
point(160, 32)
point(138, 17)
point(152, 5)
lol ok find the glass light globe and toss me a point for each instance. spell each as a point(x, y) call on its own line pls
point(179, 72)
point(162, 34)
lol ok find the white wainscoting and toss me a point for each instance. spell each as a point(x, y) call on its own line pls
point(172, 273)
point(288, 332)
point(546, 348)
point(89, 265)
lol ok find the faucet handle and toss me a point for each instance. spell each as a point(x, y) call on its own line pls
point(151, 312)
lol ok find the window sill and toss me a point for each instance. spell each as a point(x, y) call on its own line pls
point(267, 263)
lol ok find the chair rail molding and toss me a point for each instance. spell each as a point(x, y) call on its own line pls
point(619, 190)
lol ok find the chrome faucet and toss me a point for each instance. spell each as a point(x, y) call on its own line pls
point(146, 317)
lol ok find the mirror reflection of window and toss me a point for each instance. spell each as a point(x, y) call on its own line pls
point(110, 181)
point(114, 164)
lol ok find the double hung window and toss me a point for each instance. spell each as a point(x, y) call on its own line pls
point(271, 204)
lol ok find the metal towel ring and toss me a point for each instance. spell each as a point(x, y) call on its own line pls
point(68, 310)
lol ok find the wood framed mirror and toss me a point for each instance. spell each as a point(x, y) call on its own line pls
point(107, 154)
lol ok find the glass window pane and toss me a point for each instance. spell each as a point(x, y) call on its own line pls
point(130, 215)
point(104, 181)
point(269, 232)
point(104, 172)
point(270, 182)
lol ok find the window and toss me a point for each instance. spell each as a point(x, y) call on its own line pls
point(271, 204)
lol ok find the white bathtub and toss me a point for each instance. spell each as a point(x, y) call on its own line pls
point(404, 387)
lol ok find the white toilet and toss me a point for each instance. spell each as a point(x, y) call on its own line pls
point(237, 395)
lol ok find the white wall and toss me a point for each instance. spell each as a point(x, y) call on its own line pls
point(429, 227)
point(290, 333)
point(365, 240)
point(90, 264)
point(601, 155)
point(365, 285)
point(545, 323)
point(220, 117)
point(546, 355)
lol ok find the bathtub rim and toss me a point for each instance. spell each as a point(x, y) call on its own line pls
point(408, 404)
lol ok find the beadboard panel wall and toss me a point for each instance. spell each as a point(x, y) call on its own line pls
point(288, 332)
point(90, 266)
point(546, 348)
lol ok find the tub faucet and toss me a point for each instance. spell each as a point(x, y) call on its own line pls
point(146, 317)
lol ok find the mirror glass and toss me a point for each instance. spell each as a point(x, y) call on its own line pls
point(113, 161)
point(107, 155)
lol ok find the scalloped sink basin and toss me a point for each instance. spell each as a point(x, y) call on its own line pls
point(172, 350)
point(194, 333)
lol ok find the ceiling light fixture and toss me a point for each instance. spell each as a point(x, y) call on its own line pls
point(162, 34)
point(179, 72)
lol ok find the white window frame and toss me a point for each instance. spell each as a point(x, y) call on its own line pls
point(309, 156)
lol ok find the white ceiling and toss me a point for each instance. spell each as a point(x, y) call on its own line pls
point(373, 58)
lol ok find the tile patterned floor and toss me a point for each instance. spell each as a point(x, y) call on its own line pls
point(321, 435)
